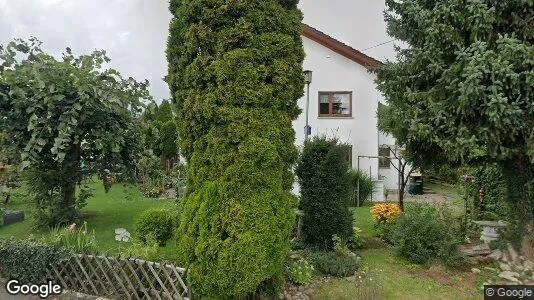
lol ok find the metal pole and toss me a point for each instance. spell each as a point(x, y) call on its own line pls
point(358, 199)
point(307, 109)
point(371, 175)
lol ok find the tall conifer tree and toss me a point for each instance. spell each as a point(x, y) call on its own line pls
point(235, 72)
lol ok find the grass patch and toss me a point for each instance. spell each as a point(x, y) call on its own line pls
point(104, 213)
point(364, 221)
point(390, 277)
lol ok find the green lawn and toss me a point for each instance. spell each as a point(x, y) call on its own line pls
point(364, 221)
point(395, 278)
point(103, 213)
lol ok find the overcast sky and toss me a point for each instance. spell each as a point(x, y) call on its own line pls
point(134, 32)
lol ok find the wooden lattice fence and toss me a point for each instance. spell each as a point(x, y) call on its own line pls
point(121, 278)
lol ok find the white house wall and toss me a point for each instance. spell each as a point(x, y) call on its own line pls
point(333, 72)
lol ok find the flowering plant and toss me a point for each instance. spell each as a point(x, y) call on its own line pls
point(300, 272)
point(385, 213)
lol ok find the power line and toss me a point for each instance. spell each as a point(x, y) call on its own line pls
point(378, 45)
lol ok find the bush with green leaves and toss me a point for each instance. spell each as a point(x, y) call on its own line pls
point(151, 174)
point(158, 223)
point(28, 260)
point(2, 212)
point(361, 187)
point(356, 241)
point(235, 73)
point(424, 233)
point(334, 263)
point(300, 272)
point(149, 249)
point(324, 187)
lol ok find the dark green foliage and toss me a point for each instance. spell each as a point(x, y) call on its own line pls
point(423, 233)
point(159, 128)
point(462, 88)
point(235, 73)
point(334, 263)
point(361, 180)
point(151, 175)
point(444, 173)
point(155, 223)
point(494, 205)
point(324, 187)
point(169, 139)
point(57, 112)
point(28, 260)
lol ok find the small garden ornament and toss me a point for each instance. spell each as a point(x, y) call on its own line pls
point(107, 180)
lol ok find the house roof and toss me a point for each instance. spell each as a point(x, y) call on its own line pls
point(339, 47)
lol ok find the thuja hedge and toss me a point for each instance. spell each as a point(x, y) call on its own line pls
point(235, 72)
point(28, 260)
point(325, 190)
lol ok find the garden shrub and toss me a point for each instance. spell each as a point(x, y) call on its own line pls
point(149, 249)
point(151, 175)
point(169, 139)
point(235, 73)
point(156, 222)
point(366, 187)
point(494, 205)
point(334, 263)
point(300, 272)
point(28, 260)
point(423, 233)
point(385, 215)
point(77, 240)
point(356, 241)
point(324, 187)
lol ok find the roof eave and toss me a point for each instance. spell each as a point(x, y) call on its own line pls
point(340, 48)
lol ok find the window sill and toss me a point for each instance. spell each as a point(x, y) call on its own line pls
point(335, 117)
point(384, 168)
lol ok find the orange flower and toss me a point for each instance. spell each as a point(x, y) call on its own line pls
point(385, 213)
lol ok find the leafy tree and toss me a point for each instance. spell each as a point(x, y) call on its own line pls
point(463, 88)
point(160, 132)
point(325, 191)
point(235, 72)
point(60, 111)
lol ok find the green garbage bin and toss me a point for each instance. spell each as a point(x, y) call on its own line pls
point(415, 184)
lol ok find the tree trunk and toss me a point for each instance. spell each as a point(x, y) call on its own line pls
point(401, 194)
point(71, 174)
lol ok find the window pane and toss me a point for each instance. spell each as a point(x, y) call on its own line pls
point(341, 104)
point(324, 106)
point(384, 162)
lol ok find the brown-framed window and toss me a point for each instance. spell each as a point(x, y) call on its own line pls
point(335, 104)
point(384, 161)
point(348, 154)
